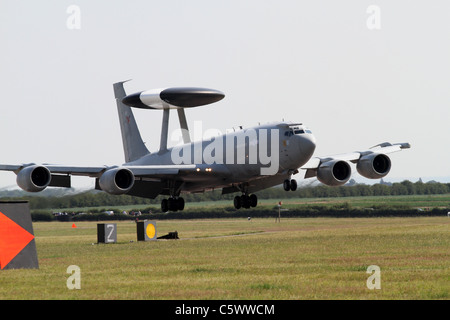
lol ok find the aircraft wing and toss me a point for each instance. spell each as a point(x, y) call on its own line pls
point(77, 170)
point(72, 170)
point(148, 179)
point(150, 171)
point(382, 148)
point(9, 167)
point(313, 164)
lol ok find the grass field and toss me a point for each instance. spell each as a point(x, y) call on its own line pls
point(316, 258)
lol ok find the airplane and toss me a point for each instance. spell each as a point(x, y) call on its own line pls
point(245, 160)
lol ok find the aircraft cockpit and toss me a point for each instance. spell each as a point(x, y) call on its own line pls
point(296, 130)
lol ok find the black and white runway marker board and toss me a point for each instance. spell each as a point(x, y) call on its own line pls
point(107, 233)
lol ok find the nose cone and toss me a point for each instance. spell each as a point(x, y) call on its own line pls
point(307, 145)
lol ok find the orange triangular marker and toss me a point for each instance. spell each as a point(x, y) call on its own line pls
point(13, 238)
point(74, 226)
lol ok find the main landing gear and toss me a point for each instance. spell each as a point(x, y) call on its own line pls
point(172, 204)
point(290, 185)
point(175, 202)
point(245, 201)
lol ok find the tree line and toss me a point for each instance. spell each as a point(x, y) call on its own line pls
point(98, 199)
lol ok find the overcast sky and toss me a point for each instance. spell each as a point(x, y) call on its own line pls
point(356, 72)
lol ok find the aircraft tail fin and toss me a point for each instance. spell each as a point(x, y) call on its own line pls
point(133, 145)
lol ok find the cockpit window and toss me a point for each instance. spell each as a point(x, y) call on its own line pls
point(289, 133)
point(296, 130)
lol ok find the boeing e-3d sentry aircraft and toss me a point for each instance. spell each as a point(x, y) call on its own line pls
point(244, 161)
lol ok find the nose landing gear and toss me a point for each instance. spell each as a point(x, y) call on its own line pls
point(290, 185)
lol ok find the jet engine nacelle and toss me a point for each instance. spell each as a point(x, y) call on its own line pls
point(334, 172)
point(34, 178)
point(374, 166)
point(116, 181)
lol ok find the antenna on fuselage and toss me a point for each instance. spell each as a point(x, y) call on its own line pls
point(173, 98)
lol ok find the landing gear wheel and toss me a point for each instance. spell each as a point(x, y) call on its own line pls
point(253, 200)
point(180, 204)
point(172, 204)
point(245, 201)
point(287, 185)
point(164, 205)
point(290, 185)
point(237, 202)
point(293, 185)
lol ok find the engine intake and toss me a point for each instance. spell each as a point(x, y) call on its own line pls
point(334, 172)
point(34, 178)
point(117, 181)
point(374, 166)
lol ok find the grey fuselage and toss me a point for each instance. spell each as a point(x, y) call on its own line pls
point(269, 152)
